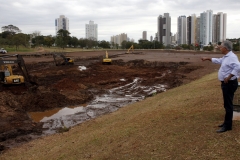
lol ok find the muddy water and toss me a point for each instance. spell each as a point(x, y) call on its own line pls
point(102, 104)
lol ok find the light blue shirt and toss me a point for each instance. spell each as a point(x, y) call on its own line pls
point(229, 65)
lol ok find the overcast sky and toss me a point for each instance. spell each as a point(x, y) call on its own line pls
point(112, 16)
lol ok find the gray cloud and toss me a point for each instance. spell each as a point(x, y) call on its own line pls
point(112, 16)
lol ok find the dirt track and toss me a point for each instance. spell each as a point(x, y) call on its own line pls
point(60, 86)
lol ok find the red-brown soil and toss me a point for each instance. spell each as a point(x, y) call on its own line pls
point(59, 86)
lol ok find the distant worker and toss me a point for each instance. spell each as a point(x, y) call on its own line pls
point(228, 74)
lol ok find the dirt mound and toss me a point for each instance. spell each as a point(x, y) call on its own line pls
point(66, 84)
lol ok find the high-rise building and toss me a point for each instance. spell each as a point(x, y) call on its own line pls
point(198, 30)
point(164, 29)
point(189, 29)
point(206, 21)
point(219, 27)
point(61, 23)
point(118, 39)
point(151, 38)
point(174, 39)
point(144, 35)
point(192, 29)
point(182, 30)
point(91, 31)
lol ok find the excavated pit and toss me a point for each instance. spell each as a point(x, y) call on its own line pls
point(69, 95)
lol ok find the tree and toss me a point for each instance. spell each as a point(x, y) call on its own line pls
point(62, 38)
point(129, 44)
point(123, 44)
point(36, 33)
point(104, 44)
point(157, 45)
point(236, 46)
point(19, 39)
point(6, 34)
point(49, 41)
point(11, 29)
point(91, 42)
point(3, 41)
point(38, 40)
point(82, 42)
point(73, 42)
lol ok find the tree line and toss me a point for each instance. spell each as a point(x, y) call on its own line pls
point(11, 36)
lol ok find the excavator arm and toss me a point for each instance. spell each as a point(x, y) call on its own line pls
point(131, 48)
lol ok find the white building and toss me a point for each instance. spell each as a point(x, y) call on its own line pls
point(194, 29)
point(206, 21)
point(61, 23)
point(91, 30)
point(182, 30)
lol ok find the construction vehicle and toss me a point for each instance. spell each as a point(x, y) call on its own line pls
point(60, 59)
point(6, 72)
point(106, 60)
point(131, 48)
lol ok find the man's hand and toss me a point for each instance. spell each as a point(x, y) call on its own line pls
point(228, 78)
point(205, 58)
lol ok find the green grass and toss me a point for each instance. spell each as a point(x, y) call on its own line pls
point(178, 124)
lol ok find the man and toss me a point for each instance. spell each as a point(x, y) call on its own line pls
point(228, 75)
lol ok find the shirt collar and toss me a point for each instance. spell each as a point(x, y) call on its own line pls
point(228, 54)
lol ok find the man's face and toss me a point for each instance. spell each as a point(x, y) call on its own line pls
point(223, 49)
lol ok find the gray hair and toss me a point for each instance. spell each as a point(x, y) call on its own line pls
point(228, 45)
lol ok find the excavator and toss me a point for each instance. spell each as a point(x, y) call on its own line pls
point(64, 60)
point(131, 48)
point(106, 60)
point(6, 72)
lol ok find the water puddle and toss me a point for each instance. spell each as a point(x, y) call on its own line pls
point(102, 104)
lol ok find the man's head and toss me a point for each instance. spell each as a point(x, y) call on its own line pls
point(225, 47)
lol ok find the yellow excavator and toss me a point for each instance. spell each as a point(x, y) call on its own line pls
point(131, 48)
point(106, 60)
point(6, 72)
point(60, 59)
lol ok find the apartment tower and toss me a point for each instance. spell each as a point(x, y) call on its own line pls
point(182, 30)
point(118, 39)
point(91, 31)
point(219, 27)
point(206, 22)
point(61, 23)
point(144, 35)
point(189, 29)
point(164, 29)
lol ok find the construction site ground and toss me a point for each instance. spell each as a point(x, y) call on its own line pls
point(69, 85)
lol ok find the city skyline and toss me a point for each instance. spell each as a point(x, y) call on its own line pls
point(113, 18)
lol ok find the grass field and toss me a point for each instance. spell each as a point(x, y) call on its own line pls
point(178, 124)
